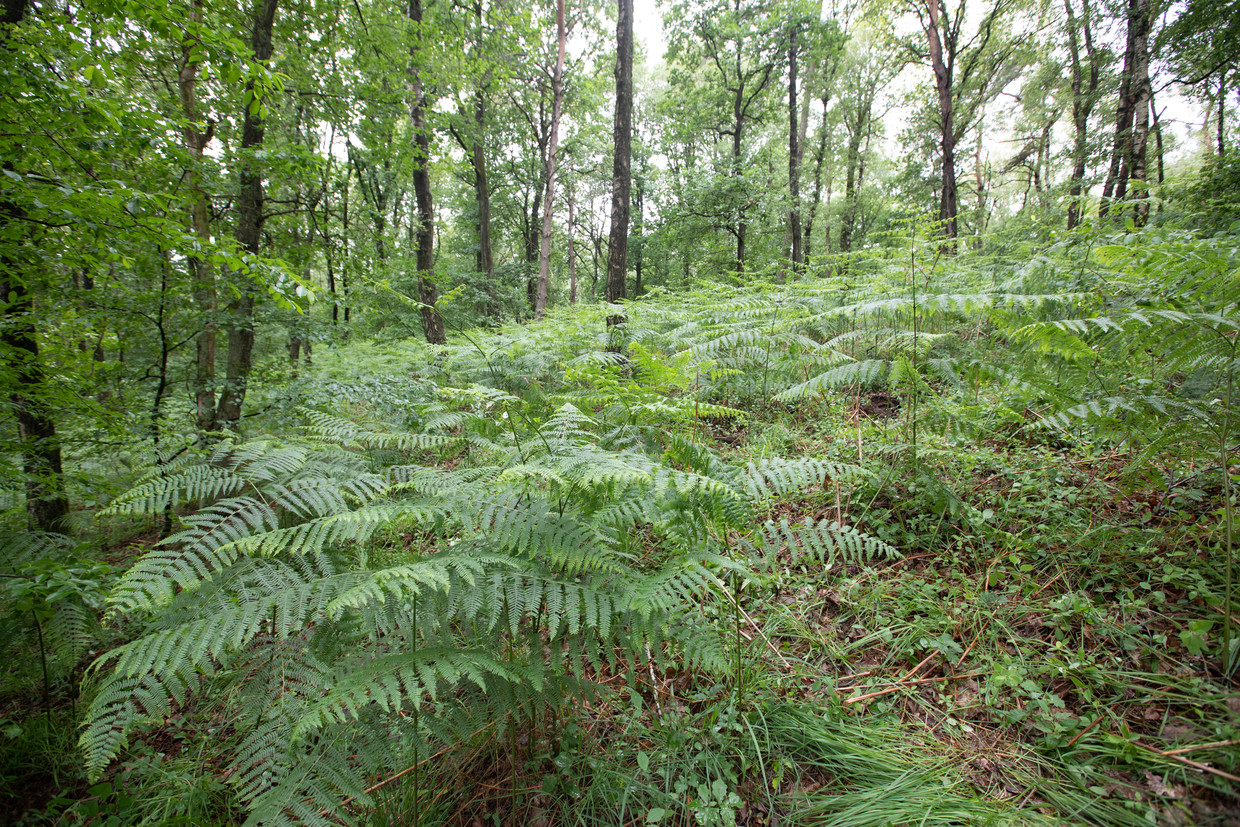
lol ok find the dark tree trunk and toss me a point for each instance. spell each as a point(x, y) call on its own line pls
point(46, 503)
point(1142, 93)
point(482, 186)
point(203, 278)
point(424, 236)
point(942, 66)
point(621, 175)
point(1083, 99)
point(738, 113)
point(794, 155)
point(240, 311)
point(1116, 180)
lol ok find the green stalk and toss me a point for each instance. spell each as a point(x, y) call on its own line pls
point(47, 684)
point(1229, 663)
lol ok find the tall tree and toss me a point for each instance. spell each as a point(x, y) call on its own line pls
point(1084, 98)
point(957, 59)
point(46, 502)
point(743, 43)
point(794, 151)
point(1132, 110)
point(240, 311)
point(553, 143)
point(621, 176)
point(424, 234)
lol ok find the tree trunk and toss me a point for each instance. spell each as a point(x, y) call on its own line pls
point(557, 103)
point(738, 113)
point(203, 278)
point(639, 226)
point(1116, 174)
point(482, 187)
point(531, 238)
point(794, 155)
point(1142, 93)
point(947, 125)
point(820, 154)
point(572, 246)
point(1083, 100)
point(980, 184)
point(621, 172)
point(851, 184)
point(46, 503)
point(424, 236)
point(249, 229)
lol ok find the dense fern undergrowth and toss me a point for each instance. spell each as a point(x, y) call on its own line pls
point(919, 540)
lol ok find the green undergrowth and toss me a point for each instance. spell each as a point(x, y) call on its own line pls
point(946, 544)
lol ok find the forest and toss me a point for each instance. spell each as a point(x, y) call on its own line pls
point(725, 412)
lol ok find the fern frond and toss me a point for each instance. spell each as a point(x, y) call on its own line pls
point(864, 373)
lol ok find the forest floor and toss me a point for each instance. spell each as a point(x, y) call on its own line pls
point(1042, 650)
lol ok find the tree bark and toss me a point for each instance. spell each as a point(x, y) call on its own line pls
point(820, 154)
point(852, 184)
point(557, 103)
point(46, 503)
point(249, 230)
point(1083, 99)
point(482, 186)
point(1142, 93)
point(572, 246)
point(794, 155)
point(203, 278)
point(424, 236)
point(942, 66)
point(621, 175)
point(1116, 174)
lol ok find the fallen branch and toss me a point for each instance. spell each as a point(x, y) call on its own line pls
point(917, 682)
point(1194, 764)
point(1200, 746)
point(1081, 734)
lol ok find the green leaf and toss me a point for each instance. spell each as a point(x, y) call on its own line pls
point(655, 815)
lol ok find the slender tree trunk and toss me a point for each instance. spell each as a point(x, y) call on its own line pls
point(572, 246)
point(947, 124)
point(851, 186)
point(557, 103)
point(424, 235)
point(1222, 113)
point(1142, 94)
point(482, 186)
point(1083, 100)
point(203, 279)
point(738, 114)
point(249, 230)
point(621, 171)
point(1158, 143)
point(820, 154)
point(532, 237)
point(344, 251)
point(1116, 180)
point(46, 503)
point(639, 226)
point(794, 155)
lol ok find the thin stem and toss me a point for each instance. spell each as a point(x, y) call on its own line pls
point(1229, 662)
point(47, 685)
